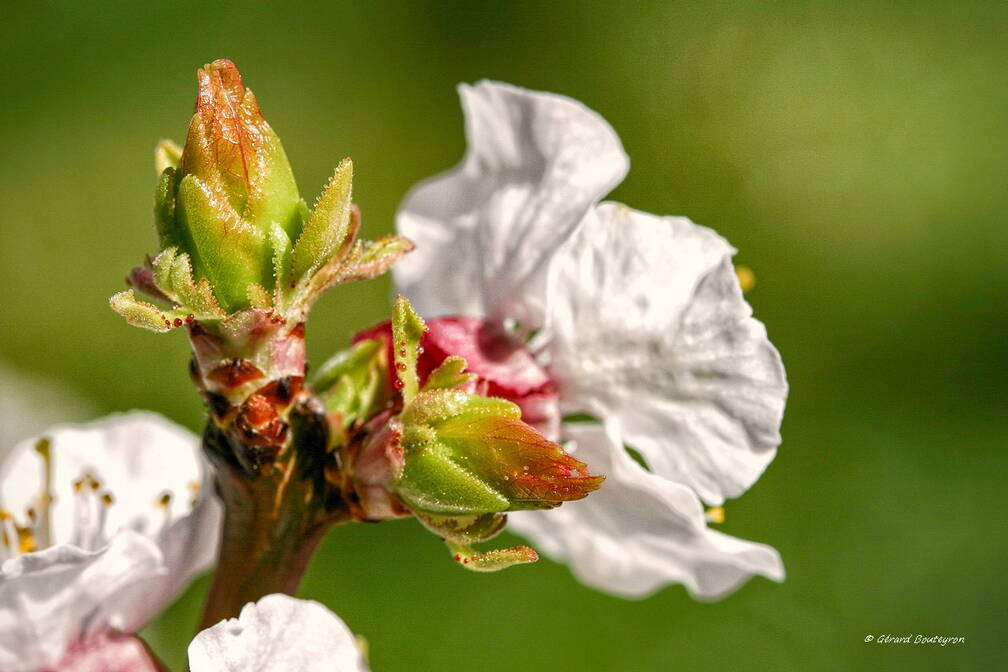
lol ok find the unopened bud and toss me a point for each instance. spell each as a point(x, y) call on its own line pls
point(232, 184)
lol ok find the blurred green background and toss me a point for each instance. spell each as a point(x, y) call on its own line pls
point(854, 152)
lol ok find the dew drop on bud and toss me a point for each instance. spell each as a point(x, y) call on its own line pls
point(178, 322)
point(400, 366)
point(398, 384)
point(189, 318)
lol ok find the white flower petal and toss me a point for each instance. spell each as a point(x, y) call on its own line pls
point(189, 547)
point(277, 634)
point(137, 457)
point(54, 597)
point(536, 162)
point(652, 335)
point(640, 532)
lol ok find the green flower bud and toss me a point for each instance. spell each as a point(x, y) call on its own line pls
point(235, 234)
point(232, 184)
point(456, 460)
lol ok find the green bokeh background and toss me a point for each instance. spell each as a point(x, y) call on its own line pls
point(856, 154)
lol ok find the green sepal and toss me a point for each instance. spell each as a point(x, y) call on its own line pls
point(327, 226)
point(169, 234)
point(470, 529)
point(433, 407)
point(433, 482)
point(227, 250)
point(407, 330)
point(449, 375)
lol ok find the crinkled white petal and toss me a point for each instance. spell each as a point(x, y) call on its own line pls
point(536, 162)
point(136, 457)
point(51, 598)
point(640, 532)
point(277, 634)
point(652, 335)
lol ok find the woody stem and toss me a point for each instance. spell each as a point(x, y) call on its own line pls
point(274, 517)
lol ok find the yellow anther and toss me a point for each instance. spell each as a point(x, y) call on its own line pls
point(32, 514)
point(107, 499)
point(78, 484)
point(93, 482)
point(164, 500)
point(26, 540)
point(42, 447)
point(715, 514)
point(5, 514)
point(746, 278)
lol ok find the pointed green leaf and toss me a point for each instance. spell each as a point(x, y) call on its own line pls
point(198, 297)
point(492, 561)
point(328, 225)
point(162, 268)
point(348, 362)
point(407, 330)
point(139, 313)
point(376, 257)
point(353, 383)
point(280, 245)
point(258, 297)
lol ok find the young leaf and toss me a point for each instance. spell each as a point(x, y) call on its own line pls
point(138, 313)
point(449, 375)
point(492, 561)
point(280, 244)
point(328, 225)
point(407, 330)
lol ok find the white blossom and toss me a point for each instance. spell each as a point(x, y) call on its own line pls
point(103, 524)
point(277, 634)
point(639, 321)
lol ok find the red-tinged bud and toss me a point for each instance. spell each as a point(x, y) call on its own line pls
point(232, 148)
point(503, 366)
point(232, 185)
point(466, 454)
